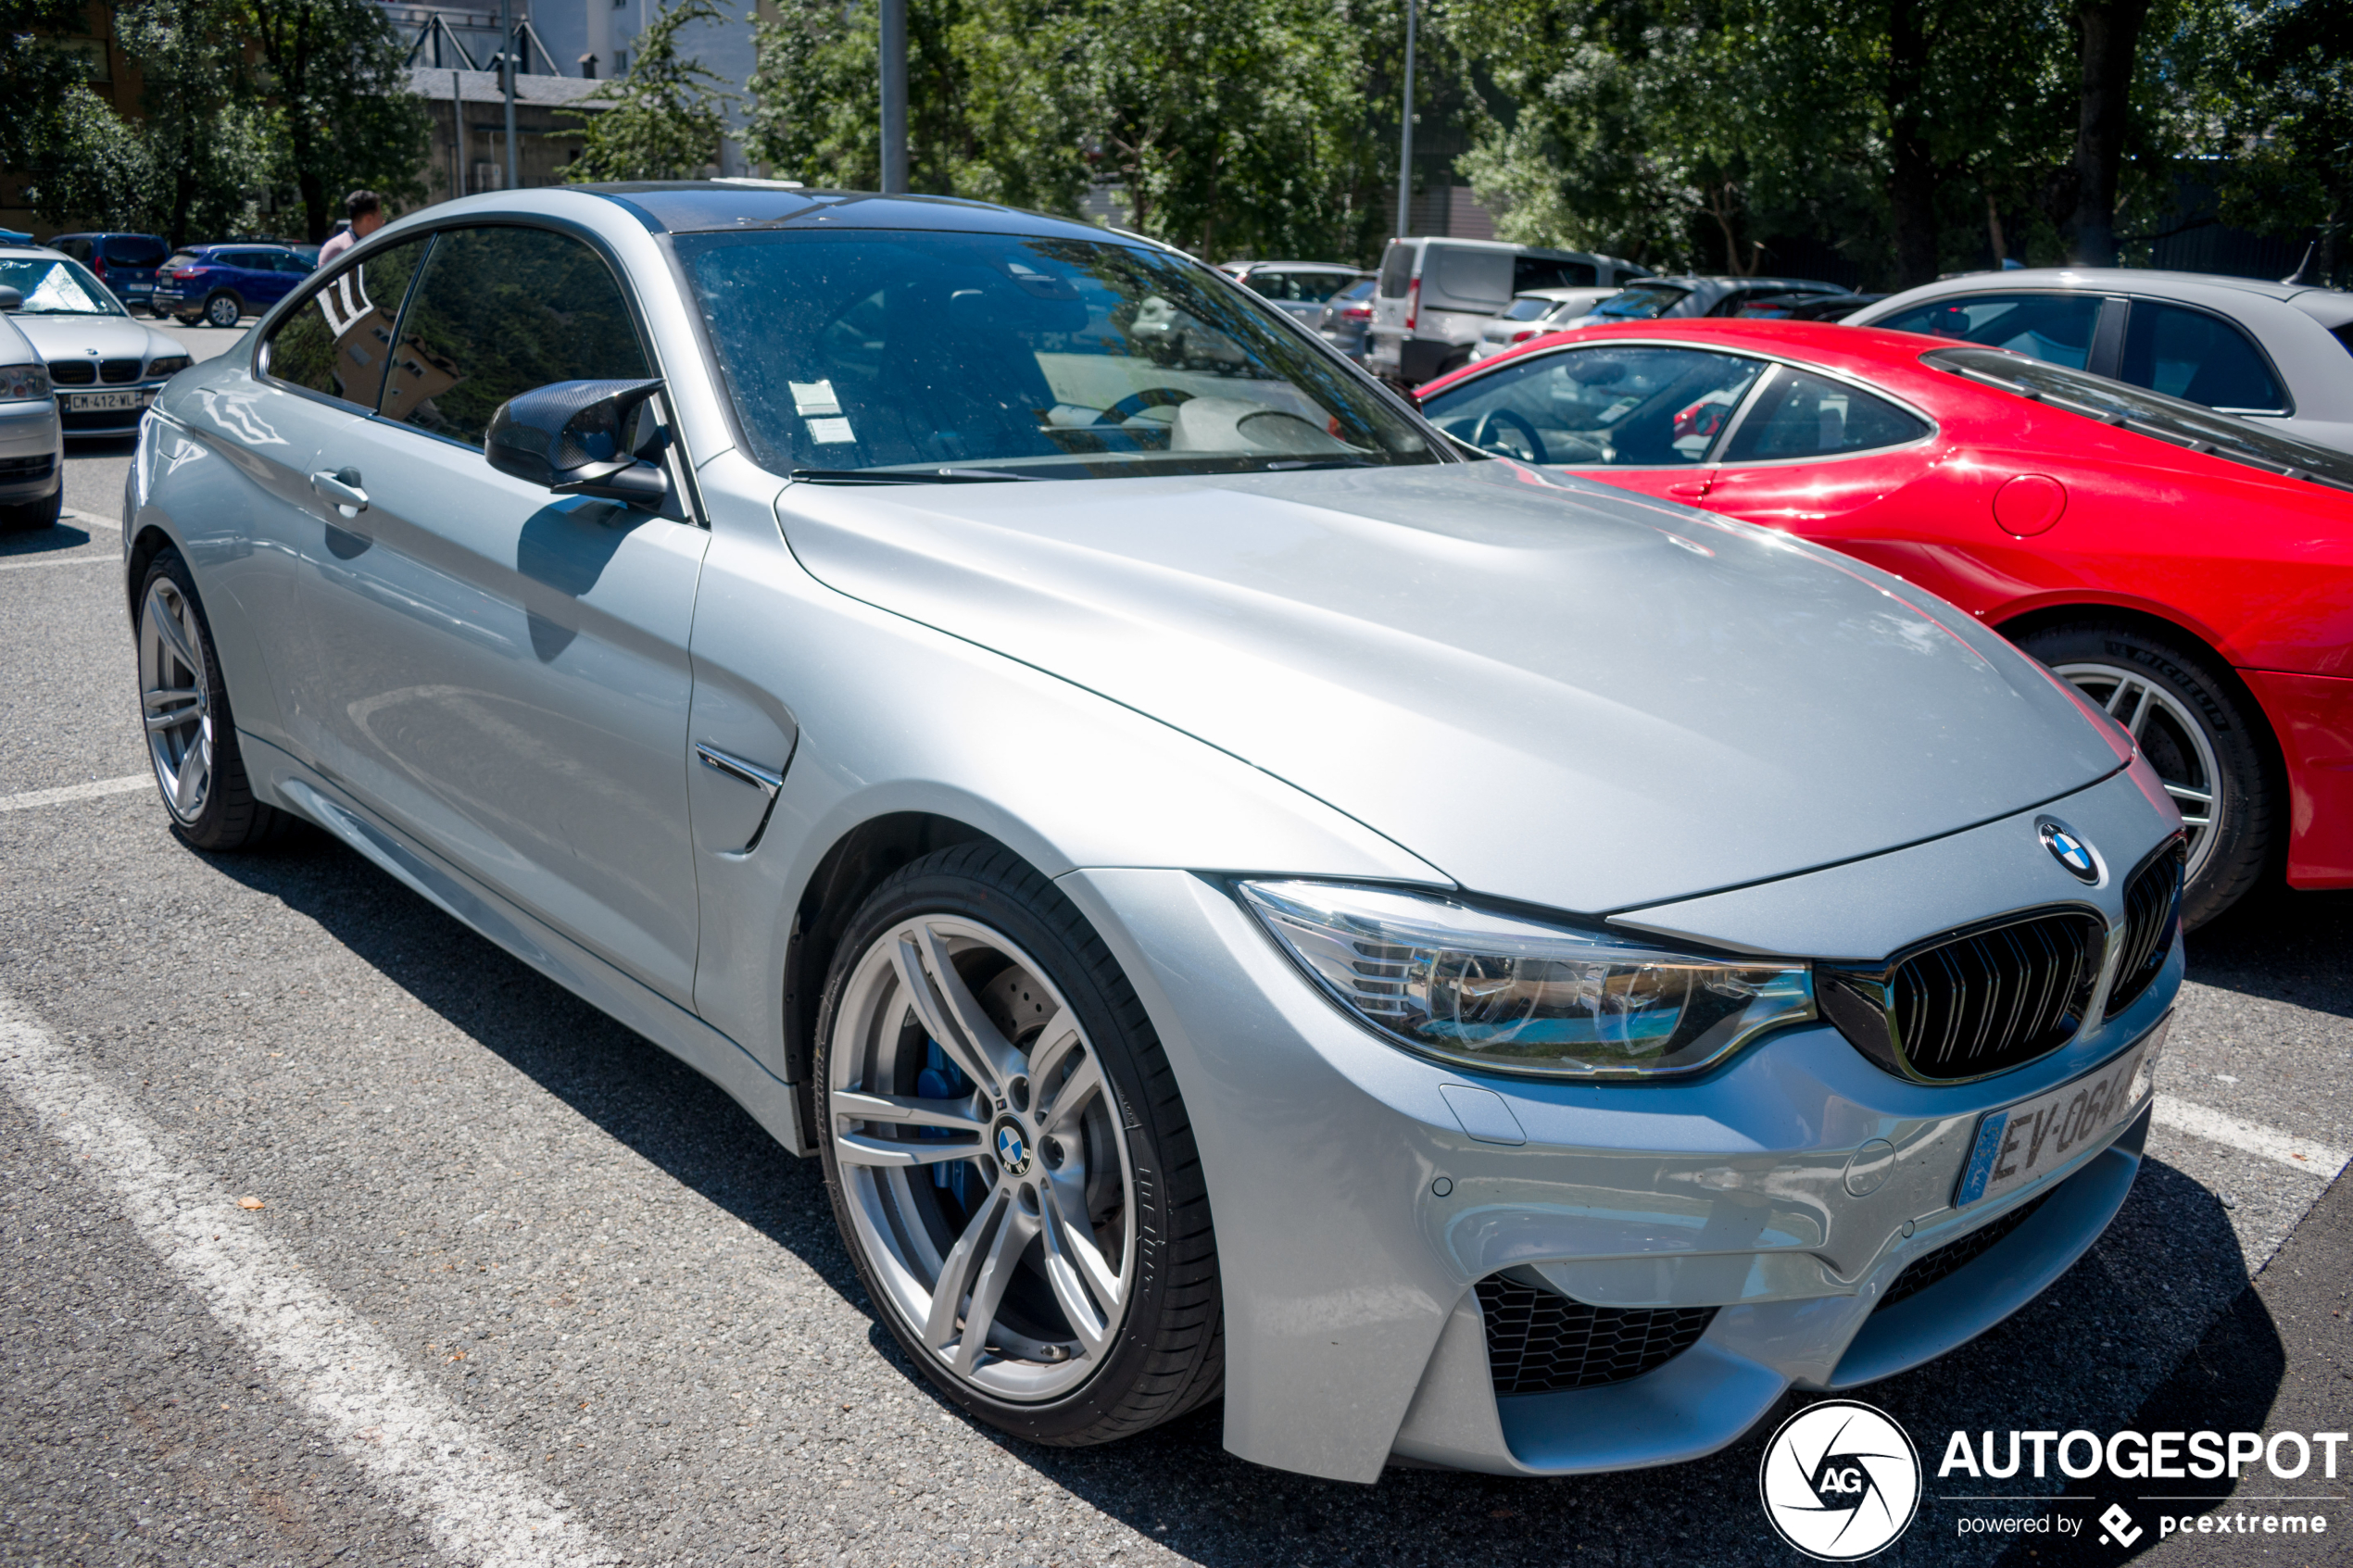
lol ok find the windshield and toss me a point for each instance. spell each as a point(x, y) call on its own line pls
point(2147, 413)
point(1529, 306)
point(1639, 303)
point(918, 354)
point(53, 286)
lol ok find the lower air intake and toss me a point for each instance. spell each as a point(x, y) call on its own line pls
point(1541, 1342)
point(1931, 1268)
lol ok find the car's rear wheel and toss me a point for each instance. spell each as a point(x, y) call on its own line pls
point(223, 309)
point(1009, 1158)
point(2202, 734)
point(192, 738)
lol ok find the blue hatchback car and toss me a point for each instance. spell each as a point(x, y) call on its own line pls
point(220, 284)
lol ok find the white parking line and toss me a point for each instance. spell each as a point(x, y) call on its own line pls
point(477, 1502)
point(2249, 1137)
point(60, 560)
point(64, 792)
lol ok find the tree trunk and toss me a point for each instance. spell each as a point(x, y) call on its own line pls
point(1993, 228)
point(2111, 38)
point(1911, 173)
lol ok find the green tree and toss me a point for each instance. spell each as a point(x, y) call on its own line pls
point(815, 111)
point(332, 72)
point(2281, 94)
point(667, 115)
point(205, 136)
point(37, 78)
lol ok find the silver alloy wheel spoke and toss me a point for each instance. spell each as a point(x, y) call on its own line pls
point(983, 1165)
point(2138, 704)
point(175, 699)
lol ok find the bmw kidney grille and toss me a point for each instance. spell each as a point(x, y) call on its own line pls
point(2152, 911)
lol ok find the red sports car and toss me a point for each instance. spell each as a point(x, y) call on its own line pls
point(2190, 573)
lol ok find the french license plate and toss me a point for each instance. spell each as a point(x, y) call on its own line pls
point(2034, 1137)
point(99, 402)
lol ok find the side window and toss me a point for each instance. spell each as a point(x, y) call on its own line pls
point(339, 340)
point(1274, 285)
point(1396, 270)
point(2189, 354)
point(2054, 328)
point(498, 311)
point(1633, 407)
point(1548, 272)
point(1806, 416)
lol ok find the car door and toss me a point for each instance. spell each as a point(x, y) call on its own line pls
point(319, 373)
point(1640, 415)
point(502, 671)
point(1820, 455)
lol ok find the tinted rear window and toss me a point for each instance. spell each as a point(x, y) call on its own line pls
point(134, 250)
point(2147, 413)
point(1550, 272)
point(1396, 270)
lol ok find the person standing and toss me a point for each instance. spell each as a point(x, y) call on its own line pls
point(366, 210)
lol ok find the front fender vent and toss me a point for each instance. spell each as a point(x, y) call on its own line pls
point(1541, 1342)
point(1973, 1003)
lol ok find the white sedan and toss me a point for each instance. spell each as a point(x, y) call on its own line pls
point(2280, 353)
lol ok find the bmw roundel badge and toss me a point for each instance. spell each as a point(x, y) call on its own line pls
point(1012, 1150)
point(2069, 849)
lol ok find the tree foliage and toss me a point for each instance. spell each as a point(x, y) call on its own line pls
point(1228, 126)
point(330, 73)
point(2281, 88)
point(666, 117)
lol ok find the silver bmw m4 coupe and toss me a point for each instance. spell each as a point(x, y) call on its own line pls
point(1248, 900)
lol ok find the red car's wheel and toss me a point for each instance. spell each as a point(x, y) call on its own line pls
point(2199, 729)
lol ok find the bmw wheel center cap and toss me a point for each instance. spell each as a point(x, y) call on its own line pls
point(2069, 849)
point(1012, 1147)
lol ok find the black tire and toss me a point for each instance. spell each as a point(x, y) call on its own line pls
point(2235, 852)
point(26, 516)
point(223, 303)
point(230, 817)
point(1170, 1354)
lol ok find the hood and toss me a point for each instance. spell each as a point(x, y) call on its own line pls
point(114, 337)
point(1552, 690)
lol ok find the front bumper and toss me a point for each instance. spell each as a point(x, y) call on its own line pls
point(31, 451)
point(1354, 1336)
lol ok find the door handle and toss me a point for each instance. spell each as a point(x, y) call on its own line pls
point(343, 489)
point(1688, 492)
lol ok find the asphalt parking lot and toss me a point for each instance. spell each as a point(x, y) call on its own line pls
point(514, 1285)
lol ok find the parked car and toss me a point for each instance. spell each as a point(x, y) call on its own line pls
point(1436, 294)
point(1533, 315)
point(1224, 884)
point(32, 450)
point(1171, 336)
point(2190, 573)
point(104, 367)
point(2280, 353)
point(222, 284)
point(125, 263)
point(1655, 299)
point(1297, 288)
point(1805, 307)
point(1344, 320)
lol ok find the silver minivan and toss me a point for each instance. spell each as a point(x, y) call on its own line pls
point(1436, 294)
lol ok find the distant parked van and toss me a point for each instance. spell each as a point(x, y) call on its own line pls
point(1436, 294)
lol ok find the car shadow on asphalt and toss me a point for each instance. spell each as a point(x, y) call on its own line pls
point(2085, 1354)
point(42, 541)
point(2283, 945)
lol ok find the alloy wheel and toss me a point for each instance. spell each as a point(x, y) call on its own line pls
point(980, 1159)
point(175, 699)
point(2169, 735)
point(223, 311)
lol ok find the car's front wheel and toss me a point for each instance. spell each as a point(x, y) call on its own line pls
point(1009, 1158)
point(191, 739)
point(223, 309)
point(2202, 734)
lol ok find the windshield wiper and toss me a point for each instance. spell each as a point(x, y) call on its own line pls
point(908, 476)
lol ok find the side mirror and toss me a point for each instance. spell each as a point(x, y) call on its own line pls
point(10, 299)
point(580, 438)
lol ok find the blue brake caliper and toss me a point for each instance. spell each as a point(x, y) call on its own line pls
point(940, 1079)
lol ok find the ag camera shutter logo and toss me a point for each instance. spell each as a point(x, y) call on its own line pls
point(1841, 1481)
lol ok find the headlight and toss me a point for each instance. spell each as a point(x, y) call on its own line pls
point(23, 383)
point(1500, 993)
point(169, 365)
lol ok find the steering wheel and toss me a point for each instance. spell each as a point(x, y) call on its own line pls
point(1136, 403)
point(1493, 417)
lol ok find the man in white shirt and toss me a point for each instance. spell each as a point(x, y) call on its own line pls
point(366, 210)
